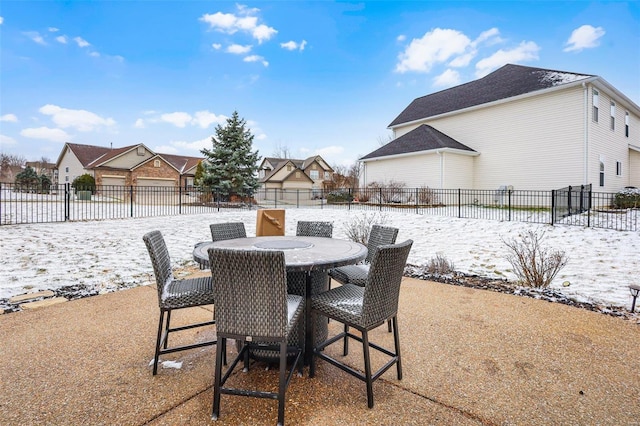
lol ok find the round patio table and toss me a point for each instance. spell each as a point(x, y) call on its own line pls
point(310, 256)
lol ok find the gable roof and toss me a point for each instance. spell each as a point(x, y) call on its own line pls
point(180, 162)
point(505, 82)
point(422, 138)
point(84, 153)
point(113, 153)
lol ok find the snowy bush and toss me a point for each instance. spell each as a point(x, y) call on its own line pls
point(359, 226)
point(628, 198)
point(440, 265)
point(533, 264)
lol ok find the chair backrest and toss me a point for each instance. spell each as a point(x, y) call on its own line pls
point(227, 231)
point(382, 290)
point(160, 260)
point(314, 229)
point(379, 236)
point(250, 288)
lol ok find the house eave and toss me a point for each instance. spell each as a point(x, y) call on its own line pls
point(509, 99)
point(424, 152)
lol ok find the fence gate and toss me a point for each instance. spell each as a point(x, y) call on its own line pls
point(569, 201)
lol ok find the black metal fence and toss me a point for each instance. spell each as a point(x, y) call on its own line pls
point(569, 206)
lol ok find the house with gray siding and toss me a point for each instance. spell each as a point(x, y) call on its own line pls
point(521, 127)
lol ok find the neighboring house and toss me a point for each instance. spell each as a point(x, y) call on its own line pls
point(134, 165)
point(524, 127)
point(45, 168)
point(8, 173)
point(285, 173)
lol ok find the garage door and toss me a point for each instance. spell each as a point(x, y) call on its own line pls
point(142, 181)
point(112, 181)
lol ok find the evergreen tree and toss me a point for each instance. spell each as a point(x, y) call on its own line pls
point(197, 179)
point(27, 180)
point(231, 166)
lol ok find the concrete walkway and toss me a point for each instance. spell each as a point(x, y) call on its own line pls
point(470, 357)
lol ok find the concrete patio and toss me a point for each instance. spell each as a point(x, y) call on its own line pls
point(470, 357)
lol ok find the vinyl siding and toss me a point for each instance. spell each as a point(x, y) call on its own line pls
point(75, 167)
point(458, 171)
point(128, 160)
point(412, 170)
point(634, 168)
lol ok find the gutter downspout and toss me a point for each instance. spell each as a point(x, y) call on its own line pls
point(441, 154)
point(586, 134)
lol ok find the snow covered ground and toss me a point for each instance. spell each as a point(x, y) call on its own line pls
point(105, 255)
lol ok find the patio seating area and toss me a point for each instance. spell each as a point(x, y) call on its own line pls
point(470, 357)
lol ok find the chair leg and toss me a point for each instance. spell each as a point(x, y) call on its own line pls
point(396, 340)
point(283, 381)
point(166, 340)
point(158, 341)
point(367, 367)
point(217, 378)
point(345, 349)
point(389, 326)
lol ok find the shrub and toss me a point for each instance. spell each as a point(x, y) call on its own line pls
point(84, 182)
point(359, 226)
point(628, 198)
point(339, 197)
point(440, 265)
point(533, 264)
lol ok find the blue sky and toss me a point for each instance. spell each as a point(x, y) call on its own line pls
point(310, 77)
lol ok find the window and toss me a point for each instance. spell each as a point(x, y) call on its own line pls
point(601, 173)
point(596, 101)
point(297, 175)
point(626, 124)
point(613, 115)
point(618, 168)
point(141, 150)
point(66, 178)
point(327, 176)
point(66, 169)
point(289, 167)
point(156, 163)
point(314, 174)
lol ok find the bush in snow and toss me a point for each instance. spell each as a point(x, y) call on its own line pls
point(359, 226)
point(628, 198)
point(440, 265)
point(534, 264)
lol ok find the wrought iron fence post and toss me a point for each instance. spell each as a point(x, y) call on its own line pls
point(217, 198)
point(553, 206)
point(131, 199)
point(380, 198)
point(67, 201)
point(459, 203)
point(416, 200)
point(179, 199)
point(350, 199)
point(509, 198)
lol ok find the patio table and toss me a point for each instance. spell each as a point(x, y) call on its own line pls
point(309, 255)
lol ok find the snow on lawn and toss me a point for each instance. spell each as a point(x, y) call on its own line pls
point(106, 255)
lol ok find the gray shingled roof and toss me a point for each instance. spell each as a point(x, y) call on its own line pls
point(506, 82)
point(422, 138)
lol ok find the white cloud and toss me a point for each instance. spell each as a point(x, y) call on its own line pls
point(81, 42)
point(238, 49)
point(216, 46)
point(329, 151)
point(53, 30)
point(165, 149)
point(9, 117)
point(245, 20)
point(436, 46)
point(1, 20)
point(401, 38)
point(178, 119)
point(447, 79)
point(196, 146)
point(6, 140)
point(35, 37)
point(292, 45)
point(139, 124)
point(62, 39)
point(256, 58)
point(46, 133)
point(94, 54)
point(491, 36)
point(526, 51)
point(205, 118)
point(585, 37)
point(78, 119)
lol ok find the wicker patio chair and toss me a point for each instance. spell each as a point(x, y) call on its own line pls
point(357, 274)
point(314, 229)
point(252, 305)
point(365, 308)
point(227, 231)
point(174, 294)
